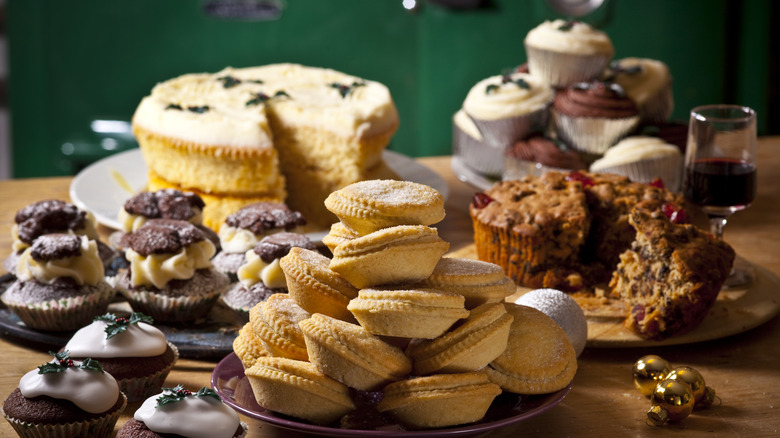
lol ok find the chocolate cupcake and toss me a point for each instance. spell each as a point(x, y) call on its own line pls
point(49, 217)
point(243, 229)
point(593, 116)
point(129, 348)
point(539, 154)
point(162, 204)
point(648, 83)
point(171, 277)
point(60, 283)
point(65, 399)
point(177, 412)
point(261, 276)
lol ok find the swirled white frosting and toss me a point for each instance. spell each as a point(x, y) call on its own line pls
point(494, 98)
point(581, 38)
point(92, 391)
point(158, 269)
point(139, 340)
point(632, 149)
point(192, 417)
point(86, 268)
point(312, 102)
point(131, 222)
point(255, 269)
point(87, 230)
point(465, 124)
point(241, 240)
point(651, 78)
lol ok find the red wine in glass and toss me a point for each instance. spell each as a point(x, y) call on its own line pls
point(720, 185)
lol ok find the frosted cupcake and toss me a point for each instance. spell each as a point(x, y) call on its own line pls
point(467, 142)
point(262, 276)
point(505, 108)
point(643, 159)
point(60, 284)
point(539, 154)
point(65, 399)
point(593, 116)
point(562, 53)
point(648, 83)
point(171, 277)
point(129, 348)
point(53, 216)
point(243, 229)
point(182, 413)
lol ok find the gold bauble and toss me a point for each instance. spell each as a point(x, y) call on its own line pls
point(672, 401)
point(702, 394)
point(648, 371)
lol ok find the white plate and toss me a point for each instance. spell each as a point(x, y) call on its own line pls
point(103, 187)
point(469, 175)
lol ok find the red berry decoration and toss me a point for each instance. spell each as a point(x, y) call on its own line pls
point(658, 182)
point(581, 177)
point(674, 213)
point(481, 200)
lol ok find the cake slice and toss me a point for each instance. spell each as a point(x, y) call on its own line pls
point(671, 275)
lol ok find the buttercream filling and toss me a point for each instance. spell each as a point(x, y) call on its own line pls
point(158, 269)
point(86, 268)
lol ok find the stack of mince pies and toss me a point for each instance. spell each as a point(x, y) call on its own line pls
point(427, 339)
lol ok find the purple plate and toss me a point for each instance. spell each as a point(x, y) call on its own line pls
point(229, 381)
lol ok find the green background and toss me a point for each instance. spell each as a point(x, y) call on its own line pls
point(73, 62)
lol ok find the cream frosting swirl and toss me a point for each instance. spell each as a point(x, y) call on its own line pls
point(240, 240)
point(158, 269)
point(85, 268)
point(569, 37)
point(138, 340)
point(92, 391)
point(632, 149)
point(642, 78)
point(191, 417)
point(499, 97)
point(255, 269)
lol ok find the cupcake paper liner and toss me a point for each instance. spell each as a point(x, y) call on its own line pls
point(592, 135)
point(478, 155)
point(65, 314)
point(657, 109)
point(164, 308)
point(143, 387)
point(669, 169)
point(102, 427)
point(563, 69)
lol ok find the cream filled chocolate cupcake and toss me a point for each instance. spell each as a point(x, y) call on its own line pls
point(505, 108)
point(171, 277)
point(593, 116)
point(65, 399)
point(262, 276)
point(538, 154)
point(178, 412)
point(243, 229)
point(49, 217)
point(643, 159)
point(129, 348)
point(563, 52)
point(648, 83)
point(60, 283)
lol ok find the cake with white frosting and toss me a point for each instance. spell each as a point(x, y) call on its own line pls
point(281, 132)
point(130, 348)
point(65, 398)
point(643, 159)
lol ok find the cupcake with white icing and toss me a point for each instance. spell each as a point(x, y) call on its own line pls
point(182, 413)
point(171, 277)
point(65, 399)
point(129, 348)
point(60, 283)
point(643, 159)
point(648, 83)
point(243, 229)
point(563, 52)
point(504, 109)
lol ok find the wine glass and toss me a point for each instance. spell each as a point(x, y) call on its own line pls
point(720, 167)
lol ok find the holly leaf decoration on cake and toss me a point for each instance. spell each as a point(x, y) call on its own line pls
point(194, 108)
point(567, 26)
point(229, 81)
point(261, 97)
point(62, 362)
point(119, 324)
point(345, 90)
point(507, 79)
point(179, 393)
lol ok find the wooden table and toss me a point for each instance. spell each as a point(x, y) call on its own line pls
point(744, 369)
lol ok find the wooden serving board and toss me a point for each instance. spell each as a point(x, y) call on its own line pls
point(735, 311)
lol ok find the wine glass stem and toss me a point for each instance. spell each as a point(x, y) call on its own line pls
point(717, 223)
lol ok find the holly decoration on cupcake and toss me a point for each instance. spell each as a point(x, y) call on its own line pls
point(179, 393)
point(63, 361)
point(344, 90)
point(119, 324)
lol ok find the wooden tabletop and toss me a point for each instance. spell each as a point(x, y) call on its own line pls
point(744, 369)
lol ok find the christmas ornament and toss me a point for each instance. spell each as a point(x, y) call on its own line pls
point(702, 394)
point(672, 401)
point(649, 371)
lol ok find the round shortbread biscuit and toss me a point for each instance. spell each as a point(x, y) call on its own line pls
point(367, 206)
point(479, 282)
